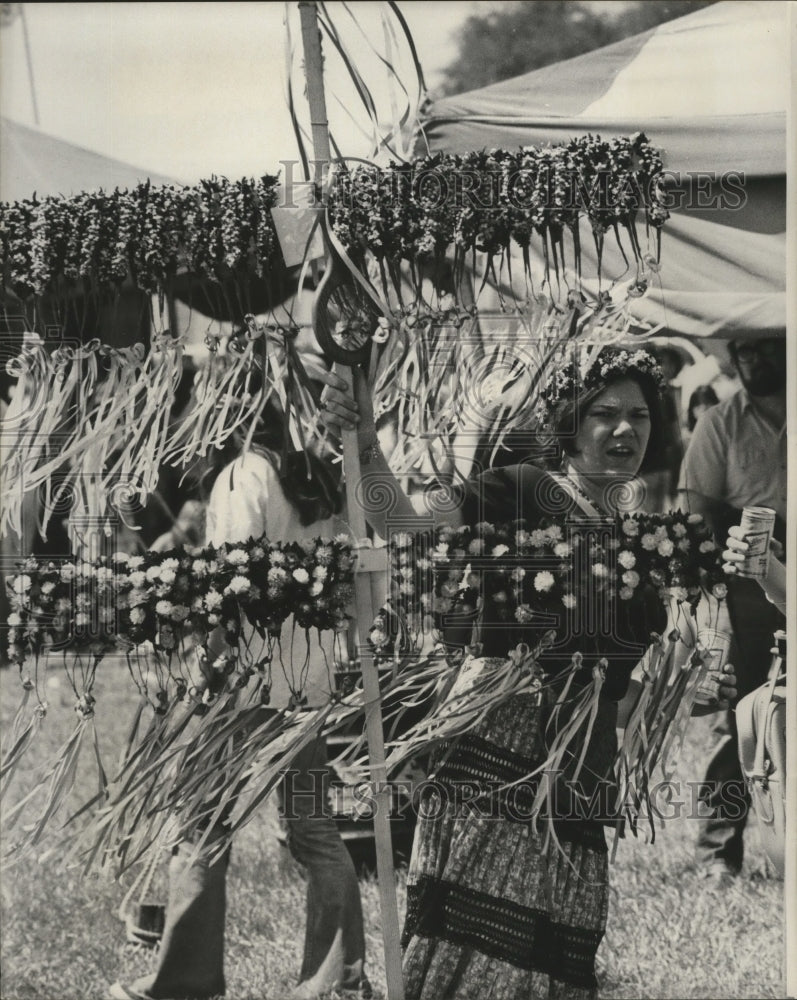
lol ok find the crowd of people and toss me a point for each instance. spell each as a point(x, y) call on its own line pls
point(491, 908)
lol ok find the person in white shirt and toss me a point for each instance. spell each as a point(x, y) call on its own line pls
point(287, 498)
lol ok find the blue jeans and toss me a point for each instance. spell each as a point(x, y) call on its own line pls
point(191, 957)
point(721, 836)
point(333, 893)
point(754, 619)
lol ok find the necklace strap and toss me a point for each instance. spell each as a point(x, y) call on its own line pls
point(586, 506)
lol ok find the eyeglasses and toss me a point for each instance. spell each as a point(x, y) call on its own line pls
point(769, 349)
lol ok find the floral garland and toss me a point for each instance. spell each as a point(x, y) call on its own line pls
point(435, 243)
point(483, 201)
point(403, 217)
point(405, 212)
point(165, 597)
point(569, 380)
point(514, 573)
point(169, 603)
point(510, 575)
point(491, 569)
point(213, 228)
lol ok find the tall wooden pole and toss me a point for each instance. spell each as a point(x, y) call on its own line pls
point(790, 879)
point(29, 61)
point(368, 562)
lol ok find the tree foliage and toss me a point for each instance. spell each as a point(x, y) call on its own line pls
point(527, 34)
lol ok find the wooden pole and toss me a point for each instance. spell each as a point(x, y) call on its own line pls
point(369, 561)
point(790, 874)
point(29, 61)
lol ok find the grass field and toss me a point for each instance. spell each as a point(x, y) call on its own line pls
point(669, 935)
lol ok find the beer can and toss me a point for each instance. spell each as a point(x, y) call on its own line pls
point(757, 524)
point(717, 644)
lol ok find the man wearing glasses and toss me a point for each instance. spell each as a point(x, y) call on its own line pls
point(737, 458)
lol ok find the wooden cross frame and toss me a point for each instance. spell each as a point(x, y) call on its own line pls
point(370, 561)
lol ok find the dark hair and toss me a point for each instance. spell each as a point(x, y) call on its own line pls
point(735, 345)
point(733, 352)
point(311, 484)
point(568, 419)
point(660, 353)
point(703, 395)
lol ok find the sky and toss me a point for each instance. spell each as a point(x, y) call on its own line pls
point(191, 89)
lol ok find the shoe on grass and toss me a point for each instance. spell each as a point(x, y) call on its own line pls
point(721, 874)
point(355, 984)
point(139, 990)
point(119, 991)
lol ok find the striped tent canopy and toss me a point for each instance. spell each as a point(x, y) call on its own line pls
point(711, 90)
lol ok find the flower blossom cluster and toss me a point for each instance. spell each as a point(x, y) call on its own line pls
point(568, 382)
point(56, 604)
point(162, 597)
point(412, 212)
point(145, 234)
point(513, 574)
point(675, 553)
point(486, 200)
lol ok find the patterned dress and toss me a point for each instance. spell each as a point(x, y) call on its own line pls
point(490, 914)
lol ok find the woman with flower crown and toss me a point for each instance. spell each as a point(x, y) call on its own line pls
point(287, 497)
point(493, 909)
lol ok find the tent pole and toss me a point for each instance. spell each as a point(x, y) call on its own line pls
point(368, 562)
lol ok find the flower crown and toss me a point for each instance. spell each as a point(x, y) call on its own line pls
point(570, 378)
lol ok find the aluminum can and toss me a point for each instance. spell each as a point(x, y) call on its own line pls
point(757, 524)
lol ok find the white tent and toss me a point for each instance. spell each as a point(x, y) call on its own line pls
point(711, 90)
point(31, 161)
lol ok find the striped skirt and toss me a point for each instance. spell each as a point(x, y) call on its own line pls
point(490, 914)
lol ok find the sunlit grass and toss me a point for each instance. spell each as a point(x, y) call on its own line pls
point(670, 934)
